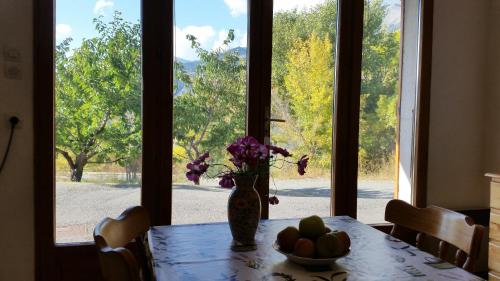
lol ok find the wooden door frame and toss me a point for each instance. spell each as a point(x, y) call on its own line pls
point(43, 29)
point(260, 36)
point(423, 103)
point(346, 104)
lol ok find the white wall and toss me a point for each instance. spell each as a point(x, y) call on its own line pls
point(458, 99)
point(16, 181)
point(461, 143)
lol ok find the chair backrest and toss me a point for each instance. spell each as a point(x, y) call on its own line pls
point(449, 227)
point(112, 235)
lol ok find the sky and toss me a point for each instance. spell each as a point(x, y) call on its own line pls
point(208, 20)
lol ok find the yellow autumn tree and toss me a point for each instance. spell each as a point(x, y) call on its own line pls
point(309, 85)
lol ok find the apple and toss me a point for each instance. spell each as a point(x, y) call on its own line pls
point(304, 248)
point(287, 238)
point(329, 245)
point(344, 238)
point(311, 227)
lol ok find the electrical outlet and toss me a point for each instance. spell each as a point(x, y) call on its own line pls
point(6, 120)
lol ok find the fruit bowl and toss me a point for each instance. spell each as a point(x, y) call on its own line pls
point(308, 262)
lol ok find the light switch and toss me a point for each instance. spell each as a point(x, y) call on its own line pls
point(11, 54)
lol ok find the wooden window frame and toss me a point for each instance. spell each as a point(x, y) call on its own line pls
point(78, 261)
point(347, 98)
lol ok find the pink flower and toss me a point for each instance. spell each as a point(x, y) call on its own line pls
point(302, 165)
point(274, 200)
point(226, 181)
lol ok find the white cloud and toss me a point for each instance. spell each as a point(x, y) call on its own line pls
point(207, 36)
point(222, 35)
point(63, 31)
point(393, 17)
point(243, 40)
point(101, 5)
point(287, 5)
point(204, 35)
point(237, 7)
point(240, 39)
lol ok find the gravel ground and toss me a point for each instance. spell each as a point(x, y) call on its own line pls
point(79, 206)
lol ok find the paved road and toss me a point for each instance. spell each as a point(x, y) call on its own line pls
point(81, 205)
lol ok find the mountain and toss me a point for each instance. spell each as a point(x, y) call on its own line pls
point(190, 67)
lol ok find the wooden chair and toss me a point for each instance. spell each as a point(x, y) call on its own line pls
point(449, 227)
point(118, 263)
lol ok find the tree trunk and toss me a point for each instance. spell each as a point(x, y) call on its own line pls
point(77, 171)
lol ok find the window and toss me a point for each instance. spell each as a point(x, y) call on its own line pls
point(302, 81)
point(209, 101)
point(140, 155)
point(98, 94)
point(378, 121)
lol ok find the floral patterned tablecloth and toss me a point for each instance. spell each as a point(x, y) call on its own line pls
point(202, 252)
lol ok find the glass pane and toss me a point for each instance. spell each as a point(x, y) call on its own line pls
point(209, 100)
point(378, 110)
point(98, 113)
point(304, 34)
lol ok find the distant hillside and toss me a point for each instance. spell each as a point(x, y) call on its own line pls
point(190, 67)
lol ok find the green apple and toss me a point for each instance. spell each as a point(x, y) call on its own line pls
point(287, 238)
point(311, 227)
point(329, 245)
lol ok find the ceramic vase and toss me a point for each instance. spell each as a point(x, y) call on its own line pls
point(243, 211)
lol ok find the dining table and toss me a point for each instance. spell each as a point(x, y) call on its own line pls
point(203, 252)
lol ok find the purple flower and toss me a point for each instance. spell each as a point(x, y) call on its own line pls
point(204, 157)
point(194, 177)
point(197, 168)
point(302, 165)
point(279, 150)
point(274, 200)
point(226, 181)
point(248, 151)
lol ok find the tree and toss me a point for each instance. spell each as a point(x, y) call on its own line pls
point(379, 90)
point(309, 83)
point(98, 97)
point(211, 112)
point(379, 80)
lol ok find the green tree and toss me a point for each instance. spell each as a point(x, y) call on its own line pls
point(211, 112)
point(98, 97)
point(290, 26)
point(379, 90)
point(309, 83)
point(379, 80)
